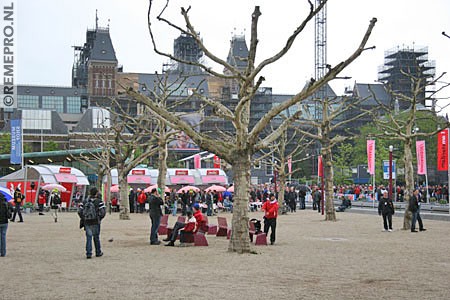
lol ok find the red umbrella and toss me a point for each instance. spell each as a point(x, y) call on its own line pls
point(114, 188)
point(231, 189)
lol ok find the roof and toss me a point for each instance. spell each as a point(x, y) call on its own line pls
point(238, 52)
point(45, 174)
point(102, 49)
point(372, 92)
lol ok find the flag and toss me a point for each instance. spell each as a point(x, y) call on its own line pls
point(421, 158)
point(371, 156)
point(16, 142)
point(319, 166)
point(442, 150)
point(216, 161)
point(197, 162)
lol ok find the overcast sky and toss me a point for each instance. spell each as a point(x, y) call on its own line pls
point(48, 29)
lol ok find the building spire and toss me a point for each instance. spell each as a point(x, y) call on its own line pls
point(96, 20)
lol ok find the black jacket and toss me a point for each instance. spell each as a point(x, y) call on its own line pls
point(413, 204)
point(5, 211)
point(385, 206)
point(155, 205)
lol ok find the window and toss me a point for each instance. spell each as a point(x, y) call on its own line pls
point(269, 169)
point(37, 119)
point(28, 101)
point(53, 103)
point(73, 105)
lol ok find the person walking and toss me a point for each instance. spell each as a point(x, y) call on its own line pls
point(155, 204)
point(18, 200)
point(131, 199)
point(55, 203)
point(386, 209)
point(270, 209)
point(317, 197)
point(92, 211)
point(5, 215)
point(414, 208)
point(41, 202)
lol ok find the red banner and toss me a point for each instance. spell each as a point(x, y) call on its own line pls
point(319, 166)
point(197, 162)
point(442, 150)
point(371, 157)
point(216, 162)
point(421, 155)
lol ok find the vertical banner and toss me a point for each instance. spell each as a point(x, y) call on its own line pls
point(16, 142)
point(197, 163)
point(421, 158)
point(442, 150)
point(319, 166)
point(216, 161)
point(371, 156)
point(290, 164)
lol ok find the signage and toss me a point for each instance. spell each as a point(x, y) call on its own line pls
point(181, 172)
point(138, 172)
point(65, 170)
point(212, 172)
point(386, 169)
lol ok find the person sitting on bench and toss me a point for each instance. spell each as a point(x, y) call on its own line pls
point(180, 226)
point(346, 203)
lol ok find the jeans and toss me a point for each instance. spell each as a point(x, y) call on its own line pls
point(92, 231)
point(174, 208)
point(209, 209)
point(416, 217)
point(3, 228)
point(387, 220)
point(175, 231)
point(272, 224)
point(156, 220)
point(17, 211)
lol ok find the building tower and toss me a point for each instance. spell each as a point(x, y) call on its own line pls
point(95, 67)
point(186, 48)
point(402, 63)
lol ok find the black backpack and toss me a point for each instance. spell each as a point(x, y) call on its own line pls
point(90, 210)
point(56, 199)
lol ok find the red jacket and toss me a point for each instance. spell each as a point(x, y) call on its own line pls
point(199, 220)
point(271, 209)
point(142, 198)
point(41, 199)
point(190, 226)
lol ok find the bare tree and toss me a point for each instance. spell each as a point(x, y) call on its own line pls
point(334, 115)
point(401, 127)
point(246, 141)
point(290, 145)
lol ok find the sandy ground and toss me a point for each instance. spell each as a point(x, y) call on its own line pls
point(312, 259)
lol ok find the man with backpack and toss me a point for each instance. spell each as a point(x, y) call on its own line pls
point(92, 211)
point(18, 201)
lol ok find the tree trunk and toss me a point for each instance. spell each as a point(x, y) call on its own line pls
point(330, 213)
point(123, 185)
point(108, 191)
point(240, 241)
point(282, 187)
point(409, 180)
point(162, 163)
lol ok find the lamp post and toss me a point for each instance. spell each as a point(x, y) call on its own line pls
point(391, 148)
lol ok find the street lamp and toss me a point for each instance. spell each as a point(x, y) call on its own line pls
point(391, 148)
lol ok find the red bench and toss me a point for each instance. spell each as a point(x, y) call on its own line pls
point(163, 225)
point(223, 227)
point(209, 228)
point(261, 238)
point(198, 239)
